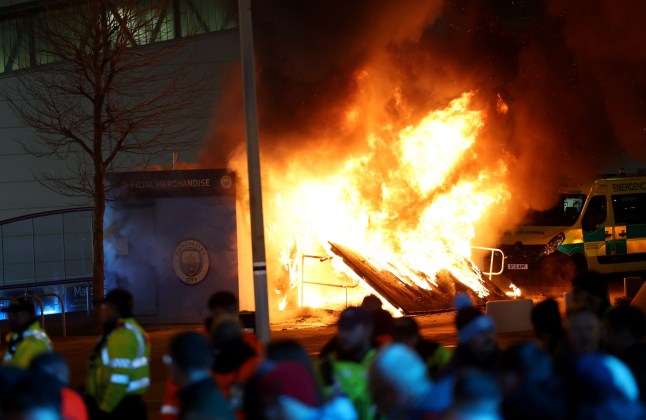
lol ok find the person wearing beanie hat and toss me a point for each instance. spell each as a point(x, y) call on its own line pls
point(290, 379)
point(405, 330)
point(604, 388)
point(27, 338)
point(399, 382)
point(475, 330)
point(625, 338)
point(118, 372)
point(344, 369)
point(189, 361)
point(477, 349)
point(477, 346)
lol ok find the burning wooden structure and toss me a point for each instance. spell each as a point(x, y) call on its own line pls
point(407, 295)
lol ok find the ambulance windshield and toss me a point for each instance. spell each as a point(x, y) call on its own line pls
point(564, 213)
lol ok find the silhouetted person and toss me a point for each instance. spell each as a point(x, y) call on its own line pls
point(531, 390)
point(34, 396)
point(603, 388)
point(476, 395)
point(548, 325)
point(53, 364)
point(624, 338)
point(382, 319)
point(477, 349)
point(590, 290)
point(399, 383)
point(223, 307)
point(27, 339)
point(583, 329)
point(190, 358)
point(406, 331)
point(235, 361)
point(118, 369)
point(344, 368)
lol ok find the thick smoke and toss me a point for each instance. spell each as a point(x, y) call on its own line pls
point(329, 73)
point(572, 74)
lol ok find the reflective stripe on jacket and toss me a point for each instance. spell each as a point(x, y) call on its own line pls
point(122, 366)
point(21, 351)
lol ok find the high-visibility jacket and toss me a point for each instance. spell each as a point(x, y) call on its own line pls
point(22, 348)
point(121, 366)
point(350, 378)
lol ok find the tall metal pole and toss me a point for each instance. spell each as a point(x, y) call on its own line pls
point(253, 164)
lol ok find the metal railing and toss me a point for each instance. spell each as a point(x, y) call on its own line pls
point(303, 282)
point(60, 299)
point(493, 252)
point(301, 292)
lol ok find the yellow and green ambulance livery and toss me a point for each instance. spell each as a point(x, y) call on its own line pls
point(602, 228)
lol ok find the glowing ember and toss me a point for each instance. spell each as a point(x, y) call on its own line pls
point(399, 202)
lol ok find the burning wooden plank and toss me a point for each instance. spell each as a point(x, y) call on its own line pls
point(409, 296)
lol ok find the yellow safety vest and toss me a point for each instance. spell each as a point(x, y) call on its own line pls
point(22, 350)
point(121, 367)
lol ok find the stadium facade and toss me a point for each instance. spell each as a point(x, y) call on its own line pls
point(46, 237)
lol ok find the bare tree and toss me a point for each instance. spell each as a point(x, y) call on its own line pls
point(110, 94)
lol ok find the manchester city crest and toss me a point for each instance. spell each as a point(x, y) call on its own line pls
point(191, 261)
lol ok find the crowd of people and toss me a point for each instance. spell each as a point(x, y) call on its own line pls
point(588, 364)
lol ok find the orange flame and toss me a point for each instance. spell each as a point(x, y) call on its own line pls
point(399, 203)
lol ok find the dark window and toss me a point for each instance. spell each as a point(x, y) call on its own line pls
point(630, 209)
point(22, 44)
point(595, 214)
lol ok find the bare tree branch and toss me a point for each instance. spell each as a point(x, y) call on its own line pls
point(105, 98)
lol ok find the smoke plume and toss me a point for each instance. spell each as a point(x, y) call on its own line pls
point(570, 76)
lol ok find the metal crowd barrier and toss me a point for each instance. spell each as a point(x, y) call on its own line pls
point(38, 299)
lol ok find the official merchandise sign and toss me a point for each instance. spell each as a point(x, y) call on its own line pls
point(191, 261)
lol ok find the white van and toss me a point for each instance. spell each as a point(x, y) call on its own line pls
point(602, 228)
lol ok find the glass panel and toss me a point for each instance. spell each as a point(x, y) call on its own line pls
point(78, 244)
point(18, 252)
point(630, 209)
point(196, 17)
point(15, 44)
point(49, 26)
point(5, 45)
point(595, 214)
point(143, 21)
point(1, 259)
point(202, 16)
point(165, 28)
point(49, 249)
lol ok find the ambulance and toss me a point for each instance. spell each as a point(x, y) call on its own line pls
point(601, 227)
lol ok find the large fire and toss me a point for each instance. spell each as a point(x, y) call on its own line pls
point(398, 203)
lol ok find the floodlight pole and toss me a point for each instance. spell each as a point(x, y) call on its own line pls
point(253, 165)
